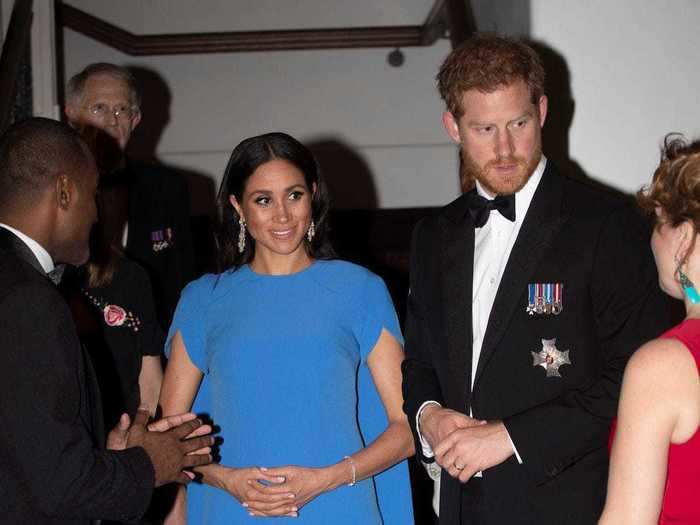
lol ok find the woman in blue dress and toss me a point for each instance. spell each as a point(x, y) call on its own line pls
point(295, 355)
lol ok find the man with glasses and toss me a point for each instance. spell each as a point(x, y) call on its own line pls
point(156, 230)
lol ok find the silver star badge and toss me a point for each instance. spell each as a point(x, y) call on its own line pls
point(550, 358)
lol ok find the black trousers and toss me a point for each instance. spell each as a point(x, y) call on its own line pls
point(472, 502)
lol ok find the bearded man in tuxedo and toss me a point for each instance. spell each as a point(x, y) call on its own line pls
point(528, 295)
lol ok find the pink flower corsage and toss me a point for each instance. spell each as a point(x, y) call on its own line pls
point(114, 315)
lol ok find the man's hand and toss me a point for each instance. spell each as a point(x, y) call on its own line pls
point(169, 422)
point(436, 423)
point(166, 423)
point(116, 439)
point(169, 450)
point(118, 436)
point(468, 450)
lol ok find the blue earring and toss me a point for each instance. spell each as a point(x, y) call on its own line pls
point(688, 288)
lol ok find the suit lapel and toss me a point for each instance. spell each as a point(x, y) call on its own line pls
point(9, 242)
point(91, 414)
point(457, 260)
point(544, 218)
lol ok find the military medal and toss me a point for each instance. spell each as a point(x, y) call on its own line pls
point(544, 298)
point(550, 358)
point(539, 298)
point(161, 239)
point(530, 299)
point(548, 297)
point(558, 306)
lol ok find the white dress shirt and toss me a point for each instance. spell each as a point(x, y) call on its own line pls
point(492, 246)
point(37, 249)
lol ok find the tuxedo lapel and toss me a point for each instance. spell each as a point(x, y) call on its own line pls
point(544, 218)
point(9, 242)
point(456, 282)
point(91, 415)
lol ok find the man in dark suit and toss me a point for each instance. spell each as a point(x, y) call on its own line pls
point(55, 469)
point(528, 294)
point(157, 232)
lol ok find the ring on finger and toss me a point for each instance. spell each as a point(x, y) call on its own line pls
point(459, 467)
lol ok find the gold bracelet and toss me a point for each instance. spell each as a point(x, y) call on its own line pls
point(354, 470)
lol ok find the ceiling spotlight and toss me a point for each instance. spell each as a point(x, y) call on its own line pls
point(396, 58)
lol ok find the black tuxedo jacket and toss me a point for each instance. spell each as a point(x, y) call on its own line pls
point(597, 247)
point(160, 235)
point(53, 465)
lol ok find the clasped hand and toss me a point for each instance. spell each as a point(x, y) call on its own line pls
point(174, 444)
point(463, 445)
point(279, 491)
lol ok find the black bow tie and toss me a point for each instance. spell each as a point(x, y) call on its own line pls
point(57, 274)
point(480, 207)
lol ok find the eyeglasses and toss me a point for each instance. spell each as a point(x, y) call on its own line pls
point(103, 110)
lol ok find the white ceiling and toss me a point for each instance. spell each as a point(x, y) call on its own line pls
point(182, 16)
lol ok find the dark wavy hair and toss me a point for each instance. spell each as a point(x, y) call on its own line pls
point(250, 154)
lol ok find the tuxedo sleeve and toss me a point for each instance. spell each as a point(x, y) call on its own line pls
point(48, 450)
point(420, 381)
point(629, 309)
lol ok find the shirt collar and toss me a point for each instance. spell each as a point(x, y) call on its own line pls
point(524, 196)
point(37, 249)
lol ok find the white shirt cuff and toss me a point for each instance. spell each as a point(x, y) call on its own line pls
point(515, 450)
point(425, 447)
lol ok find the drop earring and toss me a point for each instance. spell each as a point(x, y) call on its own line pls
point(688, 287)
point(311, 231)
point(241, 235)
